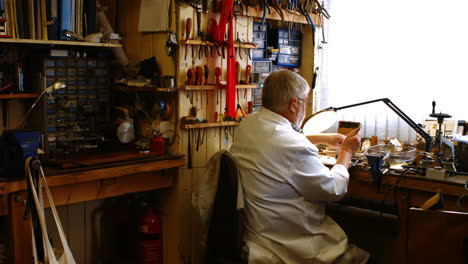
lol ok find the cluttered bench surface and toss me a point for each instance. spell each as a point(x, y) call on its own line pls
point(86, 178)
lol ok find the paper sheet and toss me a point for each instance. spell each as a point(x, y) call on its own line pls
point(154, 15)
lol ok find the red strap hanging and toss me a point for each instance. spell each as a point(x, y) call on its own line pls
point(231, 73)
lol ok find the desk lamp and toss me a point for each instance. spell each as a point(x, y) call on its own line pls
point(54, 87)
point(325, 118)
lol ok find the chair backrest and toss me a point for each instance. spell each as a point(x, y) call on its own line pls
point(225, 235)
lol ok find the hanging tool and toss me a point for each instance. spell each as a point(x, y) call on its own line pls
point(203, 136)
point(188, 29)
point(198, 140)
point(237, 72)
point(320, 9)
point(171, 44)
point(198, 75)
point(248, 72)
point(206, 5)
point(304, 12)
point(202, 77)
point(218, 84)
point(265, 7)
point(314, 78)
point(277, 7)
point(204, 45)
point(199, 9)
point(189, 76)
point(231, 68)
point(239, 43)
point(189, 82)
point(237, 8)
point(206, 74)
point(189, 152)
point(240, 113)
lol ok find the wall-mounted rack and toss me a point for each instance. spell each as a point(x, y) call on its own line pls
point(211, 124)
point(144, 89)
point(17, 96)
point(289, 16)
point(59, 42)
point(197, 42)
point(215, 87)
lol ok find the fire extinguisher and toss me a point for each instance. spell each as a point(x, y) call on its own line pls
point(150, 238)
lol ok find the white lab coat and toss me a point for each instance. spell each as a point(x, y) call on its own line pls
point(286, 187)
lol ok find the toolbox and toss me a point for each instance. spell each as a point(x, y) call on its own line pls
point(260, 71)
point(76, 116)
point(260, 39)
point(289, 44)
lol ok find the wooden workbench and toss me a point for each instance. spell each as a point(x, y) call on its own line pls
point(421, 233)
point(85, 184)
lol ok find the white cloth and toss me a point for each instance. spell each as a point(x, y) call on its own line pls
point(286, 187)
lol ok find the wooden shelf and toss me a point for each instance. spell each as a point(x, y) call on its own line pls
point(215, 87)
point(145, 89)
point(296, 17)
point(18, 96)
point(59, 42)
point(207, 43)
point(213, 124)
point(246, 86)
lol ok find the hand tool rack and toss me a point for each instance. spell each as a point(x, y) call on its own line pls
point(215, 87)
point(208, 43)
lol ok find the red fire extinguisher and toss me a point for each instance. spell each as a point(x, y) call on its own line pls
point(150, 238)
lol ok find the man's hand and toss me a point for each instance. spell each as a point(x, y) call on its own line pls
point(352, 142)
point(350, 145)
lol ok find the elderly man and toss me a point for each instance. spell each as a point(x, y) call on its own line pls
point(286, 186)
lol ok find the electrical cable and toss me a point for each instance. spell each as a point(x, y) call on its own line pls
point(394, 188)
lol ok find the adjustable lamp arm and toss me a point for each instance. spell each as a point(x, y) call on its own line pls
point(391, 105)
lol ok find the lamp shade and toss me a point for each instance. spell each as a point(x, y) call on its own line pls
point(319, 122)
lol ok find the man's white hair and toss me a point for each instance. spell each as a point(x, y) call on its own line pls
point(280, 88)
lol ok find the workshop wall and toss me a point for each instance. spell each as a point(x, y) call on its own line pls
point(184, 245)
point(87, 224)
point(206, 103)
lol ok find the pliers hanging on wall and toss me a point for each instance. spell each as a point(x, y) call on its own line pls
point(204, 47)
point(237, 8)
point(265, 7)
point(277, 7)
point(239, 42)
point(306, 15)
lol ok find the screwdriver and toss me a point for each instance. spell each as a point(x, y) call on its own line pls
point(218, 84)
point(188, 29)
point(206, 80)
point(206, 74)
point(248, 72)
